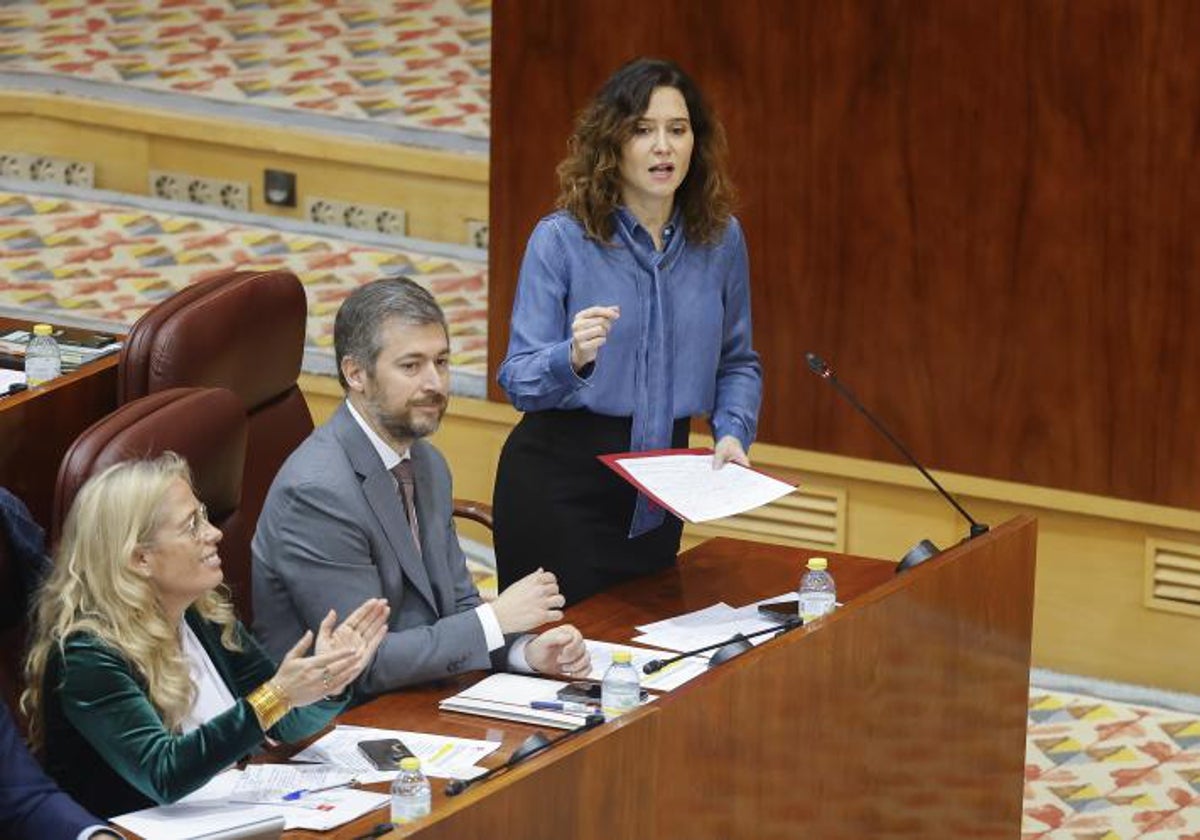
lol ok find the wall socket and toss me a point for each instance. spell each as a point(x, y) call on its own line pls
point(331, 211)
point(212, 192)
point(477, 234)
point(47, 169)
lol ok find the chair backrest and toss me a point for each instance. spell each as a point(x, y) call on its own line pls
point(239, 330)
point(207, 427)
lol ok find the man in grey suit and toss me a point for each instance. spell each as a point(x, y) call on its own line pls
point(335, 528)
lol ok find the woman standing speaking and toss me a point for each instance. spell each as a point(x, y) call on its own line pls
point(632, 315)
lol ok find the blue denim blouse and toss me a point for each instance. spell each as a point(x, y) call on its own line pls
point(681, 347)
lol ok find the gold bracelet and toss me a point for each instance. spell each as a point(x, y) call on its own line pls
point(270, 704)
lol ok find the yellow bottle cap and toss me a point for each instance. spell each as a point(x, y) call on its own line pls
point(410, 763)
point(818, 564)
point(43, 329)
point(622, 657)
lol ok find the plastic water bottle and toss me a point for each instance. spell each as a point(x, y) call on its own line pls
point(412, 797)
point(818, 594)
point(621, 690)
point(43, 361)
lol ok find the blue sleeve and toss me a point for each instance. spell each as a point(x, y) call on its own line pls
point(536, 373)
point(31, 805)
point(739, 373)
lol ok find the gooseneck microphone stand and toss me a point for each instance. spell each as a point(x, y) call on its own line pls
point(728, 648)
point(925, 549)
point(534, 744)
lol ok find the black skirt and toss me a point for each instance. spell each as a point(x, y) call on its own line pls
point(559, 508)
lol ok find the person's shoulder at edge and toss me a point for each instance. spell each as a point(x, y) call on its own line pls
point(560, 226)
point(312, 460)
point(731, 235)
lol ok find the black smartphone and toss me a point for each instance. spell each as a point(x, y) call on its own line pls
point(384, 753)
point(582, 691)
point(781, 611)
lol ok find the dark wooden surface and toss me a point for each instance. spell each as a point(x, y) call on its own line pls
point(978, 212)
point(903, 715)
point(37, 427)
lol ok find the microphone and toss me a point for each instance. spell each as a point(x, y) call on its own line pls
point(531, 746)
point(728, 649)
point(925, 549)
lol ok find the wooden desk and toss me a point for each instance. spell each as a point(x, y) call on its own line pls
point(39, 425)
point(900, 716)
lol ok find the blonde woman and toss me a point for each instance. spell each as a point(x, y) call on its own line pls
point(142, 685)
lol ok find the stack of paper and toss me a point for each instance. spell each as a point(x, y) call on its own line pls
point(508, 697)
point(666, 679)
point(709, 626)
point(301, 793)
point(221, 805)
point(75, 348)
point(441, 756)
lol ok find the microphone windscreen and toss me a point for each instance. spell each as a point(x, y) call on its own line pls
point(816, 364)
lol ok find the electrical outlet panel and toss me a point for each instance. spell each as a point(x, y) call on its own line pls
point(331, 211)
point(477, 234)
point(211, 192)
point(15, 165)
point(47, 169)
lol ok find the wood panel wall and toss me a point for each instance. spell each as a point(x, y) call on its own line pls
point(983, 215)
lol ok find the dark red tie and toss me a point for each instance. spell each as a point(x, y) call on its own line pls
point(404, 477)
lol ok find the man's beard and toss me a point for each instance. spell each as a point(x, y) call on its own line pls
point(404, 426)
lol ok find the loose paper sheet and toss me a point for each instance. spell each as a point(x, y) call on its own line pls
point(687, 484)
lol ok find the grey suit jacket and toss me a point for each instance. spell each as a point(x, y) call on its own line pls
point(333, 532)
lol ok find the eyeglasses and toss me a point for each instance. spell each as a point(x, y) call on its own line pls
point(196, 523)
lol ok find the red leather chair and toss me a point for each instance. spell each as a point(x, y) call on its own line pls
point(207, 427)
point(243, 331)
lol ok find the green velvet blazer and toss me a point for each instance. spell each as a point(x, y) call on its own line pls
point(106, 745)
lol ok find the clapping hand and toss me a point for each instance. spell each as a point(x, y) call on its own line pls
point(306, 679)
point(340, 657)
point(362, 631)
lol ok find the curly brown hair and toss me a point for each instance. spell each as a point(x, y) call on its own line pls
point(590, 179)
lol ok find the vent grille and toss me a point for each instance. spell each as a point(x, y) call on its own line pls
point(1173, 576)
point(812, 517)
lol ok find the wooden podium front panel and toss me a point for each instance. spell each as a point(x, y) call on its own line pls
point(594, 786)
point(900, 716)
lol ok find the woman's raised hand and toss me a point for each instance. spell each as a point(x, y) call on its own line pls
point(362, 631)
point(340, 657)
point(589, 331)
point(306, 679)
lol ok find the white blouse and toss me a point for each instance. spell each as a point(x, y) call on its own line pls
point(212, 695)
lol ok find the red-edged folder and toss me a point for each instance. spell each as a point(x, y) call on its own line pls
point(611, 461)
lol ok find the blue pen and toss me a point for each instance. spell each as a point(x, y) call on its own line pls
point(296, 794)
point(558, 706)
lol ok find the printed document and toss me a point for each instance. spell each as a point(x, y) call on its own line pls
point(667, 678)
point(215, 807)
point(441, 756)
point(709, 626)
point(684, 482)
